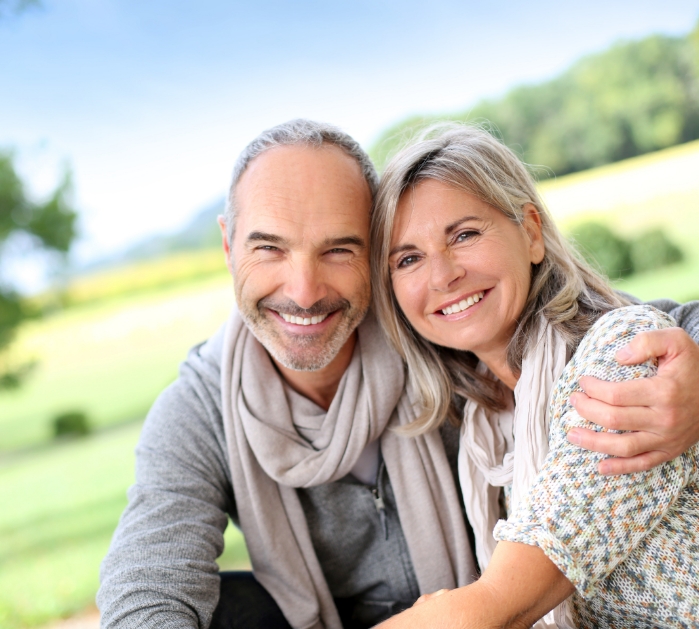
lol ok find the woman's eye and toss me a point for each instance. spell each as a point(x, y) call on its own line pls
point(406, 261)
point(465, 235)
point(337, 250)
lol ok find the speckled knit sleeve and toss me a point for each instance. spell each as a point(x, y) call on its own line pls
point(587, 524)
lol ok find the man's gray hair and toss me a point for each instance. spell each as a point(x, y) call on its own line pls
point(293, 133)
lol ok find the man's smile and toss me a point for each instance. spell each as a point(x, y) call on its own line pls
point(289, 318)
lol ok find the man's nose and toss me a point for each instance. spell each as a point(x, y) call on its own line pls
point(444, 272)
point(306, 282)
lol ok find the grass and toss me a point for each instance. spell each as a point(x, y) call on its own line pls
point(109, 360)
point(656, 190)
point(111, 355)
point(52, 544)
point(150, 275)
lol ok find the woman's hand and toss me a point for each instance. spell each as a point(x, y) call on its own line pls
point(663, 411)
point(520, 585)
point(428, 597)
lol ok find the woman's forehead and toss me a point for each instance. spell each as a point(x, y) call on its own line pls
point(435, 205)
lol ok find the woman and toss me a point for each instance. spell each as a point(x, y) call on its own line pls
point(481, 295)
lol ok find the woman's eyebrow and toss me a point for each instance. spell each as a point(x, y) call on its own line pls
point(447, 230)
point(452, 226)
point(400, 249)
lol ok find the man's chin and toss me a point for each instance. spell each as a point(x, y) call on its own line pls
point(305, 348)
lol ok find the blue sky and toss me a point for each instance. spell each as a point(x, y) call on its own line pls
point(149, 102)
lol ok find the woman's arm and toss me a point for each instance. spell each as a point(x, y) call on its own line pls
point(662, 411)
point(588, 524)
point(520, 586)
point(575, 527)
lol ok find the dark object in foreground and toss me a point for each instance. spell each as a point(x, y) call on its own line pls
point(74, 423)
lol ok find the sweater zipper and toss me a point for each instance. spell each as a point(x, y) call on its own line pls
point(378, 501)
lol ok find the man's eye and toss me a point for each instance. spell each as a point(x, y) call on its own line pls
point(337, 250)
point(267, 248)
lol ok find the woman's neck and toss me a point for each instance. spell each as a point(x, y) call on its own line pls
point(496, 362)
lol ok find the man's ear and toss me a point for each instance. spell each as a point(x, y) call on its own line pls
point(224, 240)
point(532, 225)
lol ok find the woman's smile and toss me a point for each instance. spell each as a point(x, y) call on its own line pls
point(456, 308)
point(460, 268)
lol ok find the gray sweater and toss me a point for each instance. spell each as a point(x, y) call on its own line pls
point(161, 567)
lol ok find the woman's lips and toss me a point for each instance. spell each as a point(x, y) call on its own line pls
point(463, 304)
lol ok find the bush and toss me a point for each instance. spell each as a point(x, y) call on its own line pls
point(603, 249)
point(653, 250)
point(74, 423)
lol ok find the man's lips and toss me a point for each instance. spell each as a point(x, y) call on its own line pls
point(289, 318)
point(298, 324)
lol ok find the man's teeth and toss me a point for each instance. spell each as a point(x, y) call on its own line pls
point(463, 304)
point(302, 320)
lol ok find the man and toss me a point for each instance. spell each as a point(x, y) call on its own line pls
point(282, 421)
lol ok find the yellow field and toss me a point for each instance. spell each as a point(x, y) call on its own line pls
point(656, 190)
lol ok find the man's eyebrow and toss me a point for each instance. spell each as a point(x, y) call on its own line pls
point(345, 240)
point(263, 236)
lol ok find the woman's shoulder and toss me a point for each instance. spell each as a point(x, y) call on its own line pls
point(616, 328)
point(596, 353)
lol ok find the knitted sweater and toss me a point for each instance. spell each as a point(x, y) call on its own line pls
point(161, 569)
point(629, 544)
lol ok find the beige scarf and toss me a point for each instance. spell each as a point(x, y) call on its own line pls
point(485, 465)
point(272, 451)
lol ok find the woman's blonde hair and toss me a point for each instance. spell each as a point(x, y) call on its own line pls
point(565, 290)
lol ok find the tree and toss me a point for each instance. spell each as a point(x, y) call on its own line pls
point(635, 97)
point(45, 226)
point(15, 7)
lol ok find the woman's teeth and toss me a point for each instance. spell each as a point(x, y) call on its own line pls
point(463, 304)
point(302, 320)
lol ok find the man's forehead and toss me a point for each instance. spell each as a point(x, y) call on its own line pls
point(285, 165)
point(297, 184)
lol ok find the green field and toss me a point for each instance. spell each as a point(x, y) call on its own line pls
point(111, 355)
point(656, 190)
point(109, 359)
point(60, 507)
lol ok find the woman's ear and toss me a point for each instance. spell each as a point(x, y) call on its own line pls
point(531, 222)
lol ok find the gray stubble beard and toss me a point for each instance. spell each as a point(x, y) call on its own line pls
point(277, 343)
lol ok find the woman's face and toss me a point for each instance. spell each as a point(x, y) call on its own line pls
point(460, 268)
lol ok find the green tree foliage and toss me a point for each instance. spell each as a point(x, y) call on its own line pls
point(616, 257)
point(49, 226)
point(636, 97)
point(603, 249)
point(71, 424)
point(653, 250)
point(15, 7)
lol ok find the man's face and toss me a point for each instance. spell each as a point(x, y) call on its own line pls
point(300, 253)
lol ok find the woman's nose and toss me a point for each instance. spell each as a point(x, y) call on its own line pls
point(444, 272)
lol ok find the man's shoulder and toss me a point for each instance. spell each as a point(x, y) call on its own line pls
point(190, 407)
point(204, 359)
